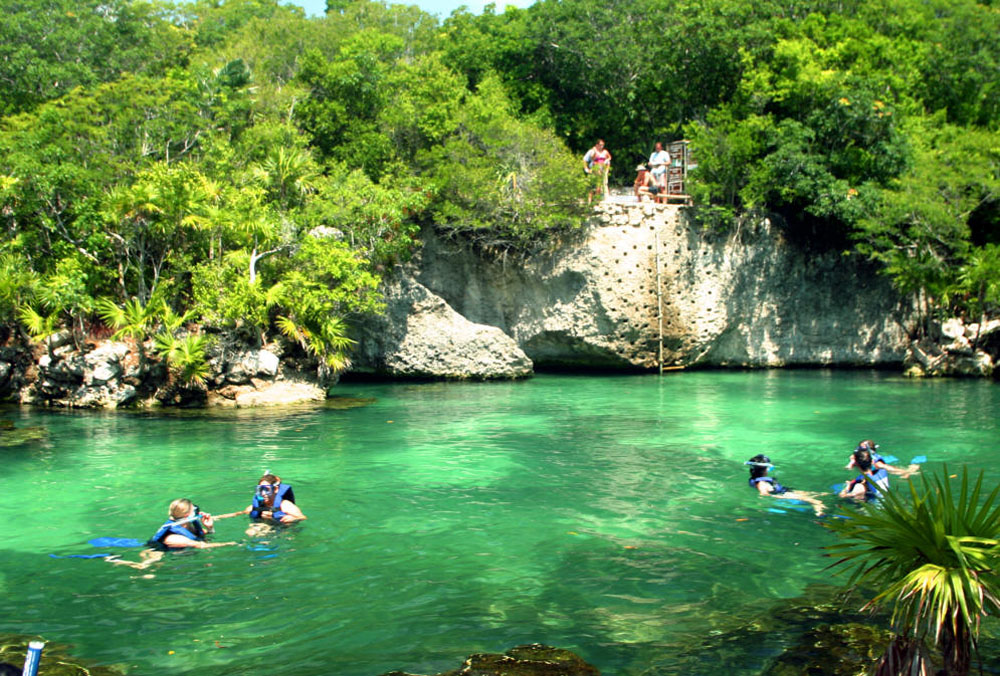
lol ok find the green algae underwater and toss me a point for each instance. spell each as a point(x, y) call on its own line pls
point(606, 515)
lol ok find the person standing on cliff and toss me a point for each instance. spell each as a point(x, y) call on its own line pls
point(597, 163)
point(659, 162)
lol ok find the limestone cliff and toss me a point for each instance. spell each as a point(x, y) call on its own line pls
point(744, 299)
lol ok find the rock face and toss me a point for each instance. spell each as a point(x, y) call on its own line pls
point(421, 336)
point(963, 350)
point(109, 375)
point(746, 299)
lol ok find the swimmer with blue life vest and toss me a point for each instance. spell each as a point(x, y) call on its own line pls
point(880, 463)
point(765, 485)
point(875, 471)
point(273, 503)
point(186, 527)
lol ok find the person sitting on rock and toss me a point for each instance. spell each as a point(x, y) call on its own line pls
point(645, 185)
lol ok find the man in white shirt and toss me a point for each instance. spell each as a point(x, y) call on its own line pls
point(659, 161)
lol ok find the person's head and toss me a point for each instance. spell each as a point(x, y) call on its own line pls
point(759, 464)
point(181, 508)
point(867, 444)
point(863, 458)
point(600, 144)
point(8, 669)
point(267, 487)
point(659, 146)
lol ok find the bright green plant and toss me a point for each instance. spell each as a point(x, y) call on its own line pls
point(40, 327)
point(17, 285)
point(134, 320)
point(186, 357)
point(934, 557)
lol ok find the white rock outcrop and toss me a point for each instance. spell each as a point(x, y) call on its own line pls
point(743, 299)
point(421, 336)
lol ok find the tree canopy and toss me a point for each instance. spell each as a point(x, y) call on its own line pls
point(243, 165)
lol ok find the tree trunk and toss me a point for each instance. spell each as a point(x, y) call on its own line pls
point(956, 649)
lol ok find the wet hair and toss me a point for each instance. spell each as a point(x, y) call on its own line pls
point(180, 508)
point(867, 444)
point(863, 458)
point(759, 464)
point(269, 479)
point(8, 669)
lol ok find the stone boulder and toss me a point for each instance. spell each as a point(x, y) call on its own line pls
point(266, 394)
point(421, 336)
point(246, 365)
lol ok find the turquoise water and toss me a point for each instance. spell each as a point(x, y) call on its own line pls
point(606, 515)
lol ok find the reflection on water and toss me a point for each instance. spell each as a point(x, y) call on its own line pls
point(607, 515)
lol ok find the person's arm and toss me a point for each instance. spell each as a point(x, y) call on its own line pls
point(292, 512)
point(764, 488)
point(808, 498)
point(230, 515)
point(857, 491)
point(586, 160)
point(898, 471)
point(175, 541)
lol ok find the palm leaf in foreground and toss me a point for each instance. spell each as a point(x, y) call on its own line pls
point(935, 557)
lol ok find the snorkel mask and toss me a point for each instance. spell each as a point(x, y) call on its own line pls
point(266, 491)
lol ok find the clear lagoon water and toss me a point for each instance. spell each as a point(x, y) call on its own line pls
point(606, 515)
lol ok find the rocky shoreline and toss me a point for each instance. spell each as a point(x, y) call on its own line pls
point(637, 287)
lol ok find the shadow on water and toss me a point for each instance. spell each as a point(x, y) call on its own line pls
point(10, 435)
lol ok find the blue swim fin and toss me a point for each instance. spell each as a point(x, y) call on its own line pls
point(918, 459)
point(116, 542)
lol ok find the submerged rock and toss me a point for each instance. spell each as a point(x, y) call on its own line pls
point(832, 650)
point(56, 658)
point(10, 435)
point(525, 660)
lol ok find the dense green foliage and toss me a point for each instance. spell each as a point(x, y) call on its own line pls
point(869, 127)
point(246, 166)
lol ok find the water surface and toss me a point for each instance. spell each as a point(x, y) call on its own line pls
point(606, 515)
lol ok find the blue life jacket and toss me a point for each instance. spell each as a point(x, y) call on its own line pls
point(285, 492)
point(778, 488)
point(874, 486)
point(172, 526)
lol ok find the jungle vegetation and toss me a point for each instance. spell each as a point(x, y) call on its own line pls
point(237, 164)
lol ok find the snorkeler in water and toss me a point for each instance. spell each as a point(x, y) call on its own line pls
point(765, 485)
point(878, 462)
point(186, 527)
point(273, 503)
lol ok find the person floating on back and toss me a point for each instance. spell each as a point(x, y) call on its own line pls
point(760, 464)
point(186, 527)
